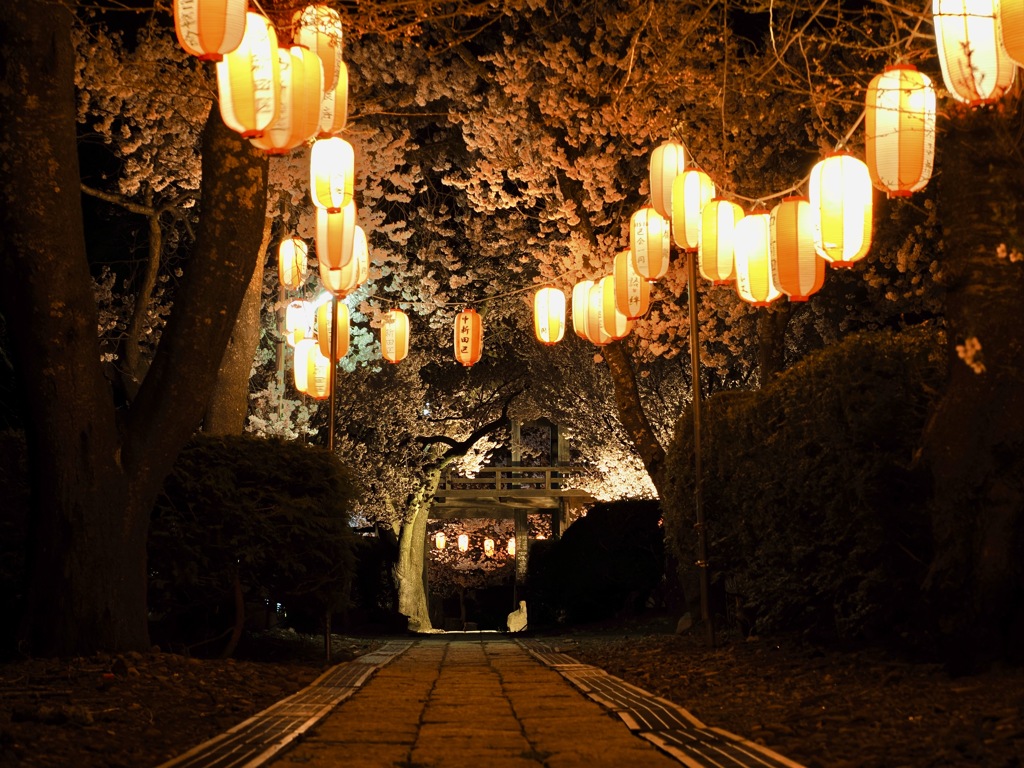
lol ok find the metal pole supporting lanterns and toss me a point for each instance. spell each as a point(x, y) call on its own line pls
point(702, 535)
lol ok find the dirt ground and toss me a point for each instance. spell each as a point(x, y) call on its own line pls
point(819, 707)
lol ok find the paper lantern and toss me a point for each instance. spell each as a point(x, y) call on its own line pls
point(335, 235)
point(650, 241)
point(300, 94)
point(632, 292)
point(841, 208)
point(332, 164)
point(580, 307)
point(488, 547)
point(394, 335)
point(298, 321)
point(667, 161)
point(691, 191)
point(323, 328)
point(292, 262)
point(549, 315)
point(468, 337)
point(343, 281)
point(975, 66)
point(318, 28)
point(300, 363)
point(440, 540)
point(616, 324)
point(715, 246)
point(1010, 23)
point(210, 28)
point(754, 282)
point(512, 547)
point(318, 375)
point(797, 269)
point(463, 542)
point(899, 130)
point(248, 80)
point(596, 334)
point(334, 106)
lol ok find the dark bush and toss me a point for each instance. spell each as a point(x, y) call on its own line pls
point(606, 564)
point(817, 520)
point(244, 520)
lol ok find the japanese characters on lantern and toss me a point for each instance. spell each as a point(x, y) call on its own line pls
point(468, 337)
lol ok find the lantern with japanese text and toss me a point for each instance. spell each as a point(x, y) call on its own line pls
point(488, 547)
point(797, 269)
point(616, 324)
point(580, 306)
point(394, 335)
point(841, 209)
point(292, 262)
point(754, 282)
point(975, 66)
point(323, 328)
point(318, 374)
point(298, 321)
point(468, 337)
point(596, 334)
point(716, 244)
point(334, 106)
point(899, 130)
point(332, 168)
point(248, 80)
point(318, 28)
point(691, 191)
point(650, 242)
point(300, 94)
point(210, 28)
point(667, 161)
point(632, 292)
point(549, 315)
point(335, 235)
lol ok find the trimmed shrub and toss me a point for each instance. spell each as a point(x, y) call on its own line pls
point(263, 520)
point(816, 518)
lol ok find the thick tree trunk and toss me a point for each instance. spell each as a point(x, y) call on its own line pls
point(229, 402)
point(974, 442)
point(95, 471)
point(411, 568)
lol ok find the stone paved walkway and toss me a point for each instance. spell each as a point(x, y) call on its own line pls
point(481, 704)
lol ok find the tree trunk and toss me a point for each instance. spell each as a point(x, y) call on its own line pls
point(411, 568)
point(229, 402)
point(973, 442)
point(94, 471)
point(771, 339)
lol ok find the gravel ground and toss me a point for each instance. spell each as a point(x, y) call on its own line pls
point(819, 707)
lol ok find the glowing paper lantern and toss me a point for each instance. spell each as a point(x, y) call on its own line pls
point(303, 349)
point(667, 161)
point(318, 28)
point(797, 269)
point(318, 375)
point(715, 247)
point(975, 66)
point(323, 328)
point(468, 337)
point(580, 306)
point(440, 540)
point(1010, 22)
point(463, 542)
point(394, 335)
point(292, 262)
point(334, 106)
point(298, 321)
point(899, 122)
point(343, 281)
point(650, 241)
point(332, 168)
point(596, 334)
point(298, 113)
point(549, 315)
point(616, 324)
point(841, 207)
point(248, 81)
point(210, 28)
point(335, 235)
point(632, 292)
point(488, 547)
point(512, 547)
point(691, 191)
point(754, 281)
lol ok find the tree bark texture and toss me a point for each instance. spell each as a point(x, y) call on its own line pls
point(974, 442)
point(411, 568)
point(96, 469)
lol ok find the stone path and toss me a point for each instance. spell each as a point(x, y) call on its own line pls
point(479, 701)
